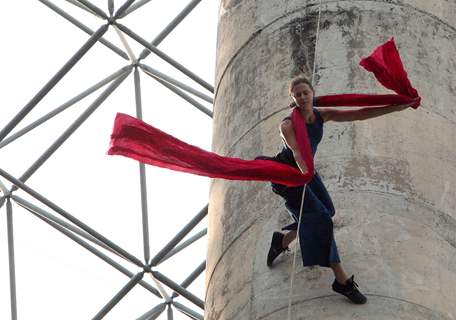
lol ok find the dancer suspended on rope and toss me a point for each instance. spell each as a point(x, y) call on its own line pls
point(318, 246)
point(293, 167)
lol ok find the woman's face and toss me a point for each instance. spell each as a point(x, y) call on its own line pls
point(302, 95)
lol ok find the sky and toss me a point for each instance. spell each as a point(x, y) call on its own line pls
point(55, 277)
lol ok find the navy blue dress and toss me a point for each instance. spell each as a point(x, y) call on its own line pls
point(316, 235)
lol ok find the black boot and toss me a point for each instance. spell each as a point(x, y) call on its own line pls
point(276, 247)
point(350, 290)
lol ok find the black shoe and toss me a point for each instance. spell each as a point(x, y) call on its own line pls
point(350, 290)
point(276, 247)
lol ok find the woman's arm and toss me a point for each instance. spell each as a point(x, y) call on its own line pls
point(333, 114)
point(288, 134)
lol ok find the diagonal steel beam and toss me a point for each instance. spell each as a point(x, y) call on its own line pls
point(3, 188)
point(83, 27)
point(122, 9)
point(77, 4)
point(176, 83)
point(183, 95)
point(154, 313)
point(12, 268)
point(184, 244)
point(170, 27)
point(195, 274)
point(187, 311)
point(133, 7)
point(165, 57)
point(56, 78)
point(179, 236)
point(126, 45)
point(94, 8)
point(68, 216)
point(178, 288)
point(30, 208)
point(63, 107)
point(74, 126)
point(122, 293)
point(34, 209)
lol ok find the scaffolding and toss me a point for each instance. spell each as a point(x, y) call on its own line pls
point(162, 287)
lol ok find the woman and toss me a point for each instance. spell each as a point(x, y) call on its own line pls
point(317, 242)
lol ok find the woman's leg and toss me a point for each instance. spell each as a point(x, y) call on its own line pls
point(288, 238)
point(339, 272)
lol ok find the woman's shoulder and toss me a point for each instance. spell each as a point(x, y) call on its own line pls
point(320, 114)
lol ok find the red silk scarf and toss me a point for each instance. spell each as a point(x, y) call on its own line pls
point(136, 139)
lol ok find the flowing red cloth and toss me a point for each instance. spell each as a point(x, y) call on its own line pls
point(386, 65)
point(136, 139)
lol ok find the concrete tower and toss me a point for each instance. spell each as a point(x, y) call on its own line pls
point(392, 179)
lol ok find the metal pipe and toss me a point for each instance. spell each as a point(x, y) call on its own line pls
point(63, 107)
point(126, 45)
point(87, 246)
point(122, 293)
point(187, 311)
point(94, 8)
point(63, 223)
point(133, 8)
point(12, 269)
point(195, 274)
point(59, 75)
point(165, 57)
point(170, 27)
point(3, 188)
point(68, 216)
point(111, 7)
point(73, 127)
point(77, 4)
point(169, 313)
point(138, 100)
point(184, 96)
point(122, 9)
point(179, 289)
point(160, 288)
point(142, 174)
point(83, 27)
point(176, 83)
point(184, 244)
point(178, 237)
point(154, 313)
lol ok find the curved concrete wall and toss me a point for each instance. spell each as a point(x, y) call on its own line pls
point(393, 179)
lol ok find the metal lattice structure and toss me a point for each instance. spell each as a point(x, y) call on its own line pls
point(68, 224)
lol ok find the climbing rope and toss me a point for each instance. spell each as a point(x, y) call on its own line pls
point(293, 268)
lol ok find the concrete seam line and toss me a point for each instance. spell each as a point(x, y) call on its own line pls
point(257, 32)
point(230, 150)
point(367, 294)
point(419, 203)
point(223, 254)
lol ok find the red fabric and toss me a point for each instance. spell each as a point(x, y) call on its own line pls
point(135, 139)
point(386, 65)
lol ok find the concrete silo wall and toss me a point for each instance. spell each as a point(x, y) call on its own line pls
point(392, 179)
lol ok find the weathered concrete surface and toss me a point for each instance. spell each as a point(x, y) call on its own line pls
point(393, 179)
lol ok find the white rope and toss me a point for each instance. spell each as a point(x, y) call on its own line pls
point(293, 268)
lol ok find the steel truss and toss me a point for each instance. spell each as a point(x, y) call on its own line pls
point(68, 224)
